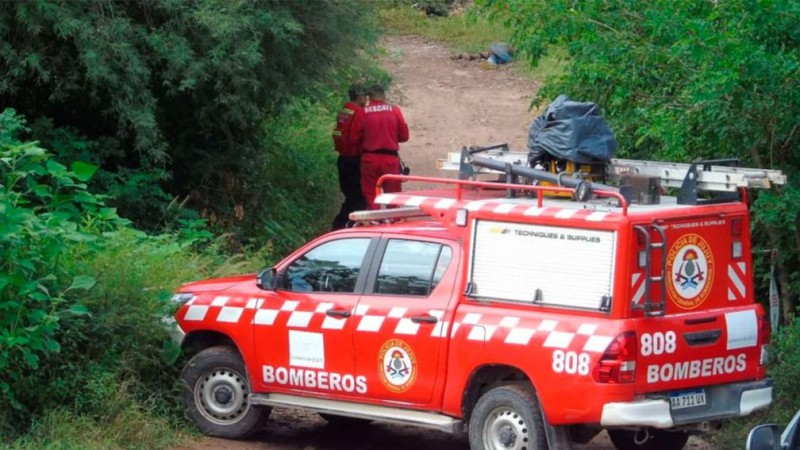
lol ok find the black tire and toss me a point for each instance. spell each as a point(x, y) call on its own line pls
point(507, 418)
point(344, 421)
point(656, 439)
point(216, 395)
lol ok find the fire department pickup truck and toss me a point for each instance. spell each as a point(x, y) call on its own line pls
point(528, 319)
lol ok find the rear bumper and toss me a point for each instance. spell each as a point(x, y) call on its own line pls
point(723, 401)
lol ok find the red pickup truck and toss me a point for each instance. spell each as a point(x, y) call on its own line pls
point(531, 322)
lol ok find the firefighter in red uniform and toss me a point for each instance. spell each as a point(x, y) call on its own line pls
point(378, 130)
point(349, 162)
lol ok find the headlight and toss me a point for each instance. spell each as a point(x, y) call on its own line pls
point(182, 297)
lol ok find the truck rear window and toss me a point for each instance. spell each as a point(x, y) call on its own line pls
point(536, 264)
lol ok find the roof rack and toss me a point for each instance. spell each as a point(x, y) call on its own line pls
point(719, 175)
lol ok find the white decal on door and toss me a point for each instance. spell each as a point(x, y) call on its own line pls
point(306, 349)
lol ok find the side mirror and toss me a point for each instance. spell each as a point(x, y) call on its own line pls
point(267, 279)
point(764, 437)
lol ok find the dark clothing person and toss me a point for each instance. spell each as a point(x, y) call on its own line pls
point(378, 130)
point(349, 162)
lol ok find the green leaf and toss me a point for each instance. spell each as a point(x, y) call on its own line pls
point(79, 310)
point(84, 282)
point(53, 345)
point(83, 171)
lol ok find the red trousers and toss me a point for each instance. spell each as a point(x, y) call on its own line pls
point(373, 166)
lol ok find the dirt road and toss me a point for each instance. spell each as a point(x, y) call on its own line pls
point(448, 104)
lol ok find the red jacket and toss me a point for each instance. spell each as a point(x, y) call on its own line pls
point(379, 126)
point(343, 142)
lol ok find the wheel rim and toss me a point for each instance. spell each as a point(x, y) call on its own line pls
point(221, 395)
point(505, 429)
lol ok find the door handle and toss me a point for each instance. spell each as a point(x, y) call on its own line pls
point(424, 319)
point(340, 313)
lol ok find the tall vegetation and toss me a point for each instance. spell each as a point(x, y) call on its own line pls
point(170, 99)
point(685, 80)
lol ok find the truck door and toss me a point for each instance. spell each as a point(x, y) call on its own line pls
point(711, 329)
point(400, 326)
point(303, 331)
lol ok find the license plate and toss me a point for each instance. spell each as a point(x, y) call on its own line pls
point(681, 400)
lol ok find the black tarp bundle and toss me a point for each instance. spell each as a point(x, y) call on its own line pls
point(571, 130)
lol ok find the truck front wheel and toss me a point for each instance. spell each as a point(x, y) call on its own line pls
point(507, 418)
point(217, 394)
point(648, 439)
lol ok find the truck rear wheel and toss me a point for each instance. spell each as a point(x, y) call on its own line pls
point(648, 439)
point(217, 394)
point(507, 418)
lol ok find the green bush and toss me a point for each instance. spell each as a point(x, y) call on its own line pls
point(82, 296)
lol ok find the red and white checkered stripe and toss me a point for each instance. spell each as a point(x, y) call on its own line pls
point(737, 274)
point(495, 206)
point(512, 330)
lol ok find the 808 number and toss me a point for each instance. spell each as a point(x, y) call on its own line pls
point(658, 343)
point(570, 362)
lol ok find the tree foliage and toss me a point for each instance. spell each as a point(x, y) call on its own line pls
point(684, 80)
point(169, 98)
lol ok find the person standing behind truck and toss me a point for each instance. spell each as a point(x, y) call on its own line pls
point(378, 130)
point(349, 161)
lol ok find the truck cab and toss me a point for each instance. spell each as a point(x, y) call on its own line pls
point(526, 319)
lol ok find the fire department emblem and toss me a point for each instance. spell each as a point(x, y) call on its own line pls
point(690, 267)
point(397, 365)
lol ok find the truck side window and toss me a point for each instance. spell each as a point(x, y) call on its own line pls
point(411, 267)
point(331, 267)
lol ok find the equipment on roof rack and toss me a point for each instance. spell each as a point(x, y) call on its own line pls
point(640, 181)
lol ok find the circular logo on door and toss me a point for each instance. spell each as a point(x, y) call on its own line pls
point(397, 365)
point(690, 266)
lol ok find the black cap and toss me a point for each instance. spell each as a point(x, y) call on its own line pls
point(377, 90)
point(356, 90)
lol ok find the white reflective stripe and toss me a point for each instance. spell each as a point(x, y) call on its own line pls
point(219, 301)
point(289, 305)
point(323, 307)
point(504, 208)
point(230, 314)
point(385, 198)
point(333, 323)
point(299, 319)
point(634, 278)
point(731, 295)
point(509, 322)
point(559, 339)
point(597, 216)
point(455, 328)
point(397, 312)
point(444, 203)
point(474, 206)
point(476, 334)
point(565, 213)
point(490, 329)
point(440, 329)
point(255, 303)
point(547, 325)
point(265, 316)
point(587, 329)
point(196, 312)
point(743, 267)
point(361, 310)
point(471, 318)
point(637, 296)
point(370, 323)
point(534, 211)
point(415, 200)
point(737, 283)
point(520, 336)
point(406, 326)
point(597, 344)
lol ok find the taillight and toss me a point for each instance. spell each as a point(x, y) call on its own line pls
point(764, 336)
point(618, 363)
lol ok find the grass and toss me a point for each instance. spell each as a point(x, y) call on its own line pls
point(467, 33)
